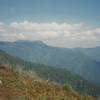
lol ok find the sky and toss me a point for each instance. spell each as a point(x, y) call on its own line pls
point(63, 23)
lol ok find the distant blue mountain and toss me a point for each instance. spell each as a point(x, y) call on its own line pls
point(74, 60)
point(93, 53)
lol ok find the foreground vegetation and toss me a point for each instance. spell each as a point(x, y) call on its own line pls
point(20, 85)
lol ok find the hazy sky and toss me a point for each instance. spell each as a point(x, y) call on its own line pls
point(66, 23)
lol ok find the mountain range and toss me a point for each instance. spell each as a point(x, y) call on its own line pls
point(82, 61)
point(50, 74)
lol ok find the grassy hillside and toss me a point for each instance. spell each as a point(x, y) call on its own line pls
point(51, 74)
point(18, 85)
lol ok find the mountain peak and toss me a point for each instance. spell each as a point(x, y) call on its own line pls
point(39, 42)
point(28, 42)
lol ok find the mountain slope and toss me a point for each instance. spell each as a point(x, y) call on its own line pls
point(51, 74)
point(93, 53)
point(71, 59)
point(15, 85)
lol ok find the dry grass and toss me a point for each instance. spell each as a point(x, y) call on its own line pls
point(17, 86)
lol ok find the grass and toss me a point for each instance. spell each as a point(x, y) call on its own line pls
point(19, 85)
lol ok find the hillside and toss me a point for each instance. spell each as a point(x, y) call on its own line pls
point(51, 74)
point(71, 59)
point(17, 85)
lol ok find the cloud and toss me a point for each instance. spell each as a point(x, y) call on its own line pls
point(57, 34)
point(2, 29)
point(30, 26)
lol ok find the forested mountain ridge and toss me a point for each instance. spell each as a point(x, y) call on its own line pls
point(71, 59)
point(51, 74)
